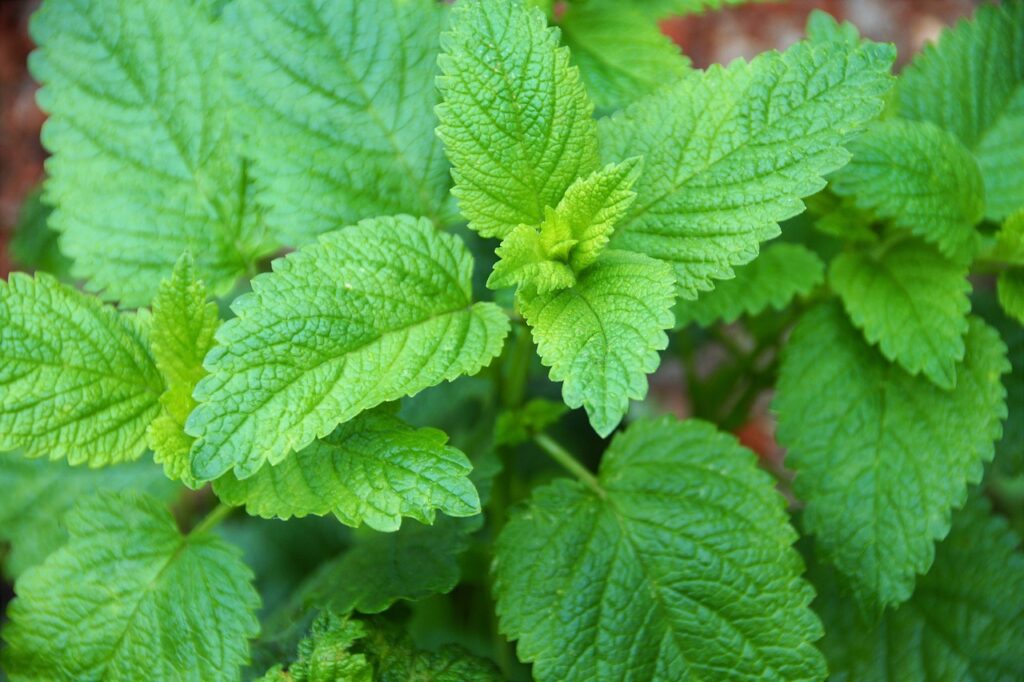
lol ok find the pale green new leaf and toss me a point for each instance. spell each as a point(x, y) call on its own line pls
point(341, 649)
point(337, 100)
point(374, 469)
point(911, 302)
point(730, 152)
point(1011, 292)
point(620, 51)
point(412, 563)
point(964, 622)
point(677, 564)
point(181, 334)
point(919, 177)
point(130, 598)
point(781, 273)
point(881, 457)
point(601, 337)
point(365, 315)
point(37, 494)
point(76, 377)
point(572, 235)
point(516, 121)
point(972, 84)
point(146, 163)
point(823, 27)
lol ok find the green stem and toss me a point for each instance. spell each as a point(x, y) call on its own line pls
point(211, 520)
point(516, 369)
point(570, 463)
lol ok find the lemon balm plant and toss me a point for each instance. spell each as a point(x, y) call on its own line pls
point(348, 377)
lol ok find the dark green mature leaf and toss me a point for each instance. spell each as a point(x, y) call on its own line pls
point(77, 380)
point(146, 160)
point(910, 301)
point(373, 469)
point(781, 273)
point(920, 177)
point(366, 315)
point(964, 622)
point(730, 152)
point(37, 494)
point(516, 121)
point(620, 52)
point(677, 564)
point(130, 598)
point(881, 457)
point(972, 84)
point(337, 102)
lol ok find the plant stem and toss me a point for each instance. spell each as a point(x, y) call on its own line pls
point(211, 520)
point(570, 463)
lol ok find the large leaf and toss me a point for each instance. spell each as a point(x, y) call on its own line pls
point(676, 565)
point(146, 162)
point(373, 469)
point(366, 315)
point(76, 378)
point(601, 337)
point(130, 598)
point(882, 457)
point(515, 121)
point(964, 622)
point(972, 84)
point(730, 152)
point(337, 99)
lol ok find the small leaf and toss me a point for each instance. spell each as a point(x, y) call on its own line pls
point(921, 178)
point(911, 302)
point(1010, 287)
point(77, 377)
point(182, 333)
point(374, 469)
point(773, 279)
point(678, 565)
point(130, 598)
point(601, 337)
point(366, 315)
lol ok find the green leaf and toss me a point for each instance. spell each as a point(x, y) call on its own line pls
point(964, 622)
point(340, 648)
point(325, 656)
point(677, 565)
point(729, 152)
point(373, 469)
point(182, 333)
point(572, 235)
point(1009, 458)
point(823, 27)
point(34, 244)
point(911, 302)
point(38, 493)
point(413, 563)
point(337, 100)
point(77, 378)
point(515, 121)
point(1010, 239)
point(972, 84)
point(130, 598)
point(1011, 292)
point(881, 458)
point(662, 8)
point(146, 163)
point(601, 337)
point(620, 52)
point(781, 273)
point(921, 178)
point(518, 426)
point(366, 315)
